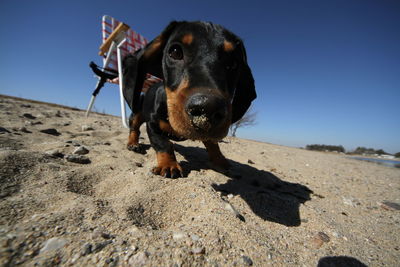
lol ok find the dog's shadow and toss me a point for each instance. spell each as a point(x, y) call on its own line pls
point(269, 197)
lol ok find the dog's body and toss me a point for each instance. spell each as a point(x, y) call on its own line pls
point(207, 85)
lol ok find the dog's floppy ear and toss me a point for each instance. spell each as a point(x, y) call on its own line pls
point(147, 60)
point(245, 91)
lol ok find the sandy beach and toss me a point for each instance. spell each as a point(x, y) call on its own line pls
point(73, 195)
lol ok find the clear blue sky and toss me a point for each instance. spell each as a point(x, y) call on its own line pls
point(326, 71)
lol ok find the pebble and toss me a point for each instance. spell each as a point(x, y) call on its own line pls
point(51, 131)
point(74, 143)
point(4, 130)
point(81, 151)
point(30, 123)
point(389, 205)
point(320, 239)
point(198, 250)
point(246, 261)
point(86, 249)
point(29, 116)
point(250, 161)
point(87, 128)
point(351, 201)
point(139, 259)
point(324, 237)
point(194, 237)
point(178, 235)
point(53, 244)
point(24, 130)
point(55, 153)
point(99, 246)
point(112, 261)
point(78, 159)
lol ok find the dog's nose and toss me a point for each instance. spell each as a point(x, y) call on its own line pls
point(206, 111)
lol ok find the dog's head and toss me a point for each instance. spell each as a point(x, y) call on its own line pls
point(207, 80)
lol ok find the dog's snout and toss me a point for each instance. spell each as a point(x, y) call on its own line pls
point(206, 110)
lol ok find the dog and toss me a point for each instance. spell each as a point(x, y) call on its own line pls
point(206, 86)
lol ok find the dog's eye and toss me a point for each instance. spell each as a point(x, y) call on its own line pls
point(175, 52)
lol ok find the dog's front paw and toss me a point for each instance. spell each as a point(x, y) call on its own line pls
point(220, 163)
point(170, 170)
point(138, 148)
point(167, 165)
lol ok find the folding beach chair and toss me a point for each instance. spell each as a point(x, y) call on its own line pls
point(118, 41)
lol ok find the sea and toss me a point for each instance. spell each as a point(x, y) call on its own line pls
point(386, 162)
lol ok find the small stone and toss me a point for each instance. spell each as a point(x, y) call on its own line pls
point(198, 250)
point(86, 249)
point(78, 159)
point(51, 131)
point(101, 232)
point(81, 150)
point(53, 244)
point(389, 205)
point(4, 130)
point(138, 164)
point(324, 237)
point(55, 153)
point(194, 237)
point(29, 116)
point(320, 239)
point(107, 143)
point(246, 261)
point(139, 259)
point(106, 235)
point(99, 246)
point(87, 128)
point(351, 201)
point(250, 161)
point(112, 261)
point(75, 258)
point(24, 130)
point(178, 235)
point(30, 123)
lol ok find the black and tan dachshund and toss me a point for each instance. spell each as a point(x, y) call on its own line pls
point(207, 85)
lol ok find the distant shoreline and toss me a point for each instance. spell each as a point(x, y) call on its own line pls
point(52, 104)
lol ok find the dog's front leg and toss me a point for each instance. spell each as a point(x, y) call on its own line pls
point(214, 153)
point(167, 165)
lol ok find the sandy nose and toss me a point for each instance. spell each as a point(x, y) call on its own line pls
point(206, 110)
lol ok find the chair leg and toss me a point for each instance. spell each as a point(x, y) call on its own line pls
point(121, 94)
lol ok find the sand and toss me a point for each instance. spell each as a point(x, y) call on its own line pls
point(277, 206)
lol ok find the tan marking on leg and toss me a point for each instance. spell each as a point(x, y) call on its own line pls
point(134, 133)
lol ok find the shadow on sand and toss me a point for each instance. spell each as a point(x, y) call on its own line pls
point(269, 197)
